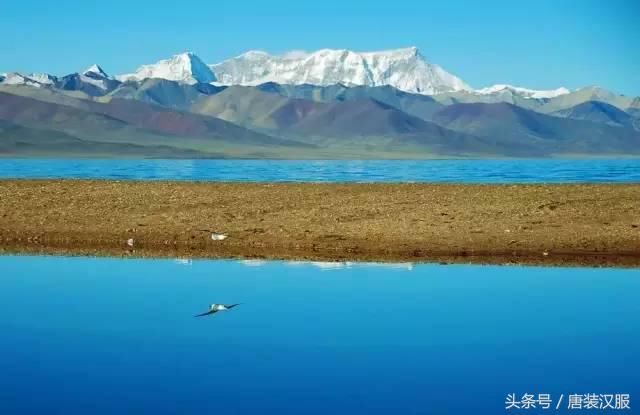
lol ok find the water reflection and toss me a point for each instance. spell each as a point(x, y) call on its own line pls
point(325, 266)
point(253, 262)
point(331, 265)
point(105, 336)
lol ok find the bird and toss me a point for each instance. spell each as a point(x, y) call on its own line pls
point(214, 308)
point(215, 236)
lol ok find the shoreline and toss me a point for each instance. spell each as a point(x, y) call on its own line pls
point(535, 224)
point(554, 259)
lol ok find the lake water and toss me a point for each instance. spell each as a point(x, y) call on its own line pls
point(463, 171)
point(113, 336)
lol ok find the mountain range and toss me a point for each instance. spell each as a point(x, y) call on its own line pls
point(325, 104)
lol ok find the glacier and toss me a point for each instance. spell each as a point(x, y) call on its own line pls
point(405, 69)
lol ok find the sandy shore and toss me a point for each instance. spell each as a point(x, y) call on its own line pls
point(537, 224)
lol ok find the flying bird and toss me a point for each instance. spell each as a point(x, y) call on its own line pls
point(214, 308)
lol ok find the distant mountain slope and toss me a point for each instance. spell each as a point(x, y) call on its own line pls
point(546, 103)
point(542, 134)
point(167, 121)
point(128, 118)
point(17, 140)
point(500, 96)
point(13, 136)
point(358, 117)
point(363, 124)
point(272, 120)
point(421, 106)
point(597, 111)
point(32, 113)
point(246, 106)
point(587, 94)
point(634, 111)
point(165, 93)
point(355, 117)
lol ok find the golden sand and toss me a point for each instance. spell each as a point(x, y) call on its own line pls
point(540, 224)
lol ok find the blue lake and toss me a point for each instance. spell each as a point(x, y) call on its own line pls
point(463, 171)
point(114, 336)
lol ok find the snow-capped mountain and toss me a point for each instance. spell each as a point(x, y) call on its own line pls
point(405, 69)
point(94, 76)
point(43, 78)
point(185, 67)
point(37, 80)
point(523, 92)
point(95, 72)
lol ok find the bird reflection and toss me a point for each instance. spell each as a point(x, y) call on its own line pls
point(214, 308)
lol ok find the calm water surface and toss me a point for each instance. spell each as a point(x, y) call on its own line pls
point(464, 171)
point(113, 336)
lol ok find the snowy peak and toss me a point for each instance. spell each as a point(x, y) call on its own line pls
point(523, 92)
point(405, 69)
point(43, 78)
point(96, 72)
point(37, 80)
point(186, 67)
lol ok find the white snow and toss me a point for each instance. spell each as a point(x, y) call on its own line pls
point(96, 77)
point(96, 71)
point(405, 69)
point(15, 78)
point(100, 83)
point(42, 78)
point(524, 92)
point(35, 79)
point(185, 67)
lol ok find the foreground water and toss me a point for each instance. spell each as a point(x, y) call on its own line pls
point(105, 336)
point(462, 171)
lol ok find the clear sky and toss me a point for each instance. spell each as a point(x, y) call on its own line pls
point(537, 43)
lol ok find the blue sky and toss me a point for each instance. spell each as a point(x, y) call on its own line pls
point(538, 44)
